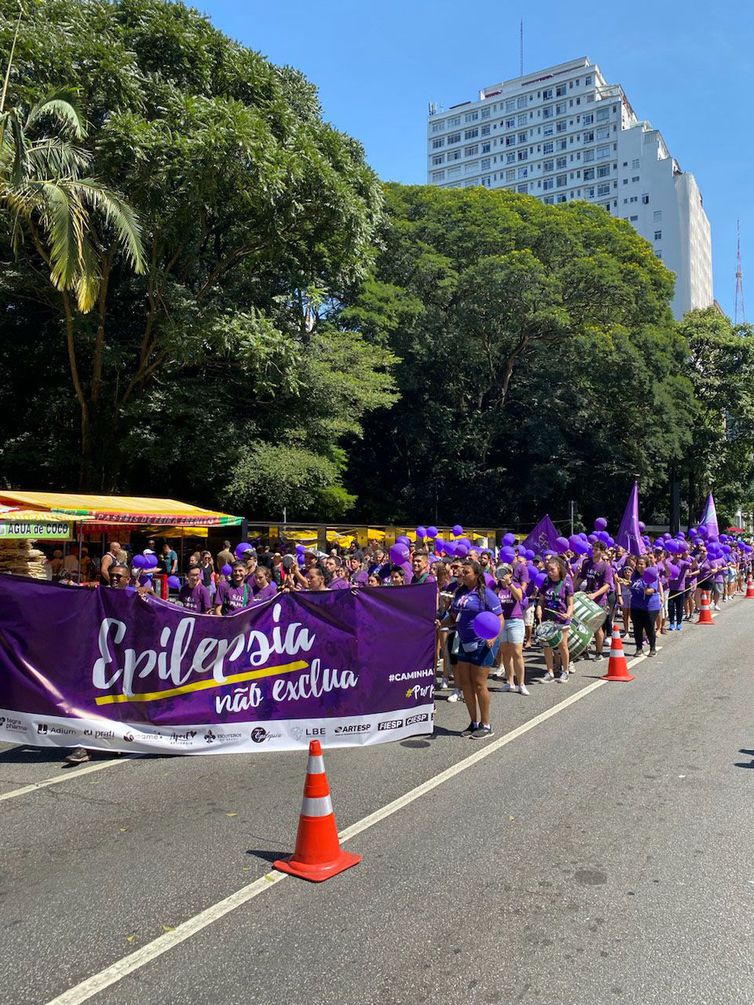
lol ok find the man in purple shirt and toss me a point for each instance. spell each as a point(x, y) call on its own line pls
point(192, 595)
point(420, 568)
point(232, 596)
point(598, 577)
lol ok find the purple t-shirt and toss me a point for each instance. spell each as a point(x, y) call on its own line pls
point(678, 585)
point(596, 575)
point(265, 592)
point(339, 584)
point(232, 598)
point(466, 605)
point(512, 609)
point(196, 599)
point(554, 598)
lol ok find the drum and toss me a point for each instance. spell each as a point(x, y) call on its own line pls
point(548, 633)
point(579, 638)
point(587, 612)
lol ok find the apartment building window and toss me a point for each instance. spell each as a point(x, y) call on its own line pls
point(560, 91)
point(486, 112)
point(438, 176)
point(471, 116)
point(603, 189)
point(510, 158)
point(634, 219)
point(547, 148)
point(454, 155)
point(561, 144)
point(658, 235)
point(486, 163)
point(471, 134)
point(547, 112)
point(510, 174)
point(603, 152)
point(523, 189)
point(634, 198)
point(625, 181)
point(635, 177)
point(523, 155)
point(486, 148)
point(453, 121)
point(561, 126)
point(438, 127)
point(589, 155)
point(587, 136)
point(454, 172)
point(521, 101)
point(587, 81)
point(561, 198)
point(657, 216)
point(454, 138)
point(562, 180)
point(560, 163)
point(436, 144)
point(438, 159)
point(510, 141)
point(588, 174)
point(603, 132)
point(472, 167)
point(548, 166)
point(523, 172)
point(561, 108)
point(487, 181)
point(547, 94)
point(548, 183)
point(471, 151)
point(658, 253)
point(510, 104)
point(635, 163)
point(548, 130)
point(645, 199)
point(522, 119)
point(603, 114)
point(549, 200)
point(587, 120)
point(486, 130)
point(603, 171)
point(522, 137)
point(589, 192)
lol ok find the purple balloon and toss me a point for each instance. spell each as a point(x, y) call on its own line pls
point(642, 526)
point(600, 523)
point(174, 583)
point(403, 539)
point(439, 543)
point(507, 554)
point(244, 546)
point(462, 550)
point(486, 625)
point(592, 538)
point(432, 531)
point(152, 561)
point(421, 532)
point(540, 579)
point(489, 579)
point(533, 571)
point(673, 571)
point(226, 570)
point(528, 555)
point(650, 575)
point(581, 547)
point(561, 543)
point(450, 548)
point(457, 530)
point(398, 553)
point(139, 562)
point(509, 539)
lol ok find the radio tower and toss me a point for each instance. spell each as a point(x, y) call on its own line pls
point(739, 312)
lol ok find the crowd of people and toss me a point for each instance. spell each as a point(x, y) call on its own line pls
point(524, 598)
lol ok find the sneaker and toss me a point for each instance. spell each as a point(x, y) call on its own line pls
point(457, 695)
point(715, 607)
point(599, 656)
point(571, 668)
point(513, 688)
point(481, 733)
point(563, 677)
point(443, 684)
point(671, 628)
point(523, 689)
point(470, 729)
point(79, 755)
point(548, 677)
point(652, 652)
point(679, 627)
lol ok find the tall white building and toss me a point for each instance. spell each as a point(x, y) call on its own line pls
point(564, 134)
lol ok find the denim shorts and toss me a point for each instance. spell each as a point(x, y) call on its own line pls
point(513, 631)
point(482, 656)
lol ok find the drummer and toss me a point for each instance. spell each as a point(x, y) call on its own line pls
point(555, 604)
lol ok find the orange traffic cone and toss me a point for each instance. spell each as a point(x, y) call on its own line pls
point(617, 668)
point(318, 854)
point(749, 589)
point(705, 614)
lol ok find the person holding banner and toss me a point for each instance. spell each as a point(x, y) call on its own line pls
point(476, 655)
point(234, 595)
point(193, 595)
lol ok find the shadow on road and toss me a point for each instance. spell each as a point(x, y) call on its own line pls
point(741, 764)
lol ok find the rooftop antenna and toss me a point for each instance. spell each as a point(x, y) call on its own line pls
point(521, 48)
point(739, 312)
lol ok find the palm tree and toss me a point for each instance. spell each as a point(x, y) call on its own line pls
point(51, 199)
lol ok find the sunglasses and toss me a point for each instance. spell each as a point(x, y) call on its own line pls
point(117, 575)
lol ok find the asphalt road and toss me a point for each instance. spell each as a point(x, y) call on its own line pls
point(601, 853)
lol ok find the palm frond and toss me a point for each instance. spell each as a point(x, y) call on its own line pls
point(15, 142)
point(54, 158)
point(87, 282)
point(59, 108)
point(120, 216)
point(63, 220)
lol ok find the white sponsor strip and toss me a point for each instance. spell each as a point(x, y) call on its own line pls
point(65, 776)
point(117, 971)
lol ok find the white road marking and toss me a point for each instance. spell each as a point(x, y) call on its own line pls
point(67, 776)
point(134, 961)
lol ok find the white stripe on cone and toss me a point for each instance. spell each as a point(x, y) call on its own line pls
point(316, 806)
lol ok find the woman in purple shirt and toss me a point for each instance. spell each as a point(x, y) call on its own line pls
point(511, 593)
point(555, 603)
point(263, 588)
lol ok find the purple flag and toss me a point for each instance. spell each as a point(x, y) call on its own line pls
point(709, 517)
point(543, 537)
point(629, 535)
point(108, 669)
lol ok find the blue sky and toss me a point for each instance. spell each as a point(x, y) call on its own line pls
point(685, 67)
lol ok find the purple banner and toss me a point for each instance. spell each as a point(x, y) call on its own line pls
point(543, 537)
point(629, 534)
point(108, 669)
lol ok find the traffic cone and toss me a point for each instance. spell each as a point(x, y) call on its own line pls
point(705, 615)
point(318, 854)
point(749, 589)
point(617, 668)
